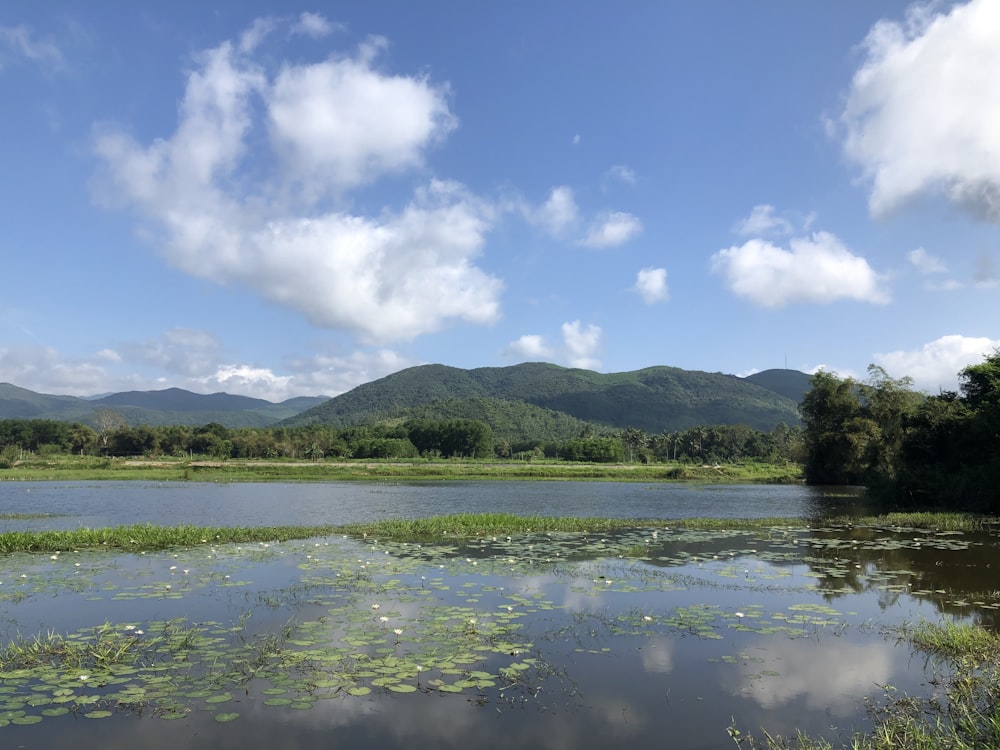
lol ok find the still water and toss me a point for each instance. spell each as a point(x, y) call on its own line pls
point(653, 637)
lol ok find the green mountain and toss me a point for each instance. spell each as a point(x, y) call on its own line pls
point(789, 383)
point(154, 408)
point(653, 399)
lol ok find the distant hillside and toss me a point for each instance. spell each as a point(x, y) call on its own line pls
point(789, 383)
point(155, 408)
point(653, 399)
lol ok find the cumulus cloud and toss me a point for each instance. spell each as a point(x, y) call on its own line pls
point(935, 365)
point(763, 220)
point(342, 123)
point(20, 43)
point(529, 347)
point(581, 344)
point(922, 111)
point(333, 126)
point(651, 285)
point(559, 212)
point(612, 229)
point(815, 269)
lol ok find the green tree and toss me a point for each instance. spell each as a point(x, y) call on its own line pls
point(836, 436)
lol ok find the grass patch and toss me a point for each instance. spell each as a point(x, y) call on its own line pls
point(105, 647)
point(953, 641)
point(473, 525)
point(145, 537)
point(937, 521)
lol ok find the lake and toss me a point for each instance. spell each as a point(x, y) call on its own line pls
point(649, 637)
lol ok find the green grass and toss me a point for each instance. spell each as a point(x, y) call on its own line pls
point(938, 521)
point(470, 525)
point(954, 641)
point(143, 537)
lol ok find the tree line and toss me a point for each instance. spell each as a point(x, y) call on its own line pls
point(910, 449)
point(110, 435)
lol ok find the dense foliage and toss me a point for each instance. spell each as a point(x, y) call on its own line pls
point(458, 438)
point(910, 449)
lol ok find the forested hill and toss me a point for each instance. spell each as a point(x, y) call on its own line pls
point(155, 408)
point(653, 399)
point(792, 384)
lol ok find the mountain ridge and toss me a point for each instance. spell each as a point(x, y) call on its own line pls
point(653, 399)
point(155, 408)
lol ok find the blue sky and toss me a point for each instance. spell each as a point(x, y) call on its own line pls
point(246, 197)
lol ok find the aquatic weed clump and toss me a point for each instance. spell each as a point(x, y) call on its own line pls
point(144, 537)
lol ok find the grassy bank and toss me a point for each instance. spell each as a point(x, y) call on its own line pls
point(75, 468)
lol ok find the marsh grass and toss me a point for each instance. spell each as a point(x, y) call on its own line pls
point(472, 525)
point(938, 521)
point(145, 537)
point(954, 641)
point(106, 647)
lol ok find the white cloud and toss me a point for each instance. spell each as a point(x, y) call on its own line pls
point(334, 125)
point(622, 173)
point(651, 284)
point(816, 269)
point(529, 347)
point(558, 213)
point(20, 43)
point(179, 351)
point(576, 139)
point(195, 361)
point(313, 25)
point(923, 111)
point(762, 220)
point(612, 229)
point(925, 262)
point(935, 366)
point(341, 123)
point(43, 370)
point(581, 345)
